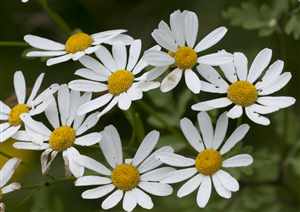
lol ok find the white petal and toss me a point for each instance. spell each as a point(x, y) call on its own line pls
point(163, 39)
point(120, 55)
point(108, 34)
point(47, 158)
point(235, 112)
point(241, 63)
point(89, 122)
point(211, 88)
point(220, 131)
point(94, 104)
point(94, 65)
point(87, 86)
point(152, 74)
point(257, 118)
point(215, 59)
point(179, 175)
point(106, 58)
point(212, 104)
point(276, 85)
point(91, 75)
point(35, 125)
point(20, 87)
point(206, 128)
point(129, 202)
point(271, 74)
point(64, 103)
point(94, 165)
point(44, 96)
point(229, 71)
point(157, 174)
point(177, 26)
point(8, 170)
point(59, 59)
point(111, 146)
point(8, 133)
point(212, 76)
point(92, 180)
point(175, 160)
point(146, 147)
point(135, 93)
point(277, 101)
point(76, 169)
point(35, 88)
point(4, 126)
point(4, 108)
point(238, 161)
point(192, 81)
point(45, 53)
point(52, 113)
point(190, 186)
point(10, 188)
point(152, 162)
point(259, 64)
point(3, 117)
point(112, 200)
point(158, 58)
point(89, 139)
point(143, 199)
point(211, 39)
point(221, 190)
point(171, 80)
point(112, 103)
point(30, 146)
point(124, 39)
point(204, 192)
point(234, 138)
point(124, 101)
point(191, 28)
point(191, 134)
point(43, 43)
point(228, 181)
point(97, 192)
point(134, 53)
point(157, 189)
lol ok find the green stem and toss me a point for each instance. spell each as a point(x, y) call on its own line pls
point(47, 183)
point(56, 18)
point(13, 43)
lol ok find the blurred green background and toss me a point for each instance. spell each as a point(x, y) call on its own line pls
point(270, 185)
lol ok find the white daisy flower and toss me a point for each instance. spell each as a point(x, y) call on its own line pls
point(247, 89)
point(114, 79)
point(6, 173)
point(76, 46)
point(35, 104)
point(127, 179)
point(179, 40)
point(207, 167)
point(66, 132)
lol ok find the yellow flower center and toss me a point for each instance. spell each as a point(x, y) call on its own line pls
point(208, 161)
point(242, 93)
point(62, 138)
point(15, 113)
point(78, 42)
point(120, 81)
point(125, 177)
point(185, 57)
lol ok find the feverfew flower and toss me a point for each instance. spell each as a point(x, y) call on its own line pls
point(247, 89)
point(66, 132)
point(130, 180)
point(181, 54)
point(114, 80)
point(76, 46)
point(34, 105)
point(207, 167)
point(6, 173)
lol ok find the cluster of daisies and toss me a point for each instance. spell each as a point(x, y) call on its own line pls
point(115, 73)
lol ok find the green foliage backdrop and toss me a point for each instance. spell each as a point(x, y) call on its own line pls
point(270, 185)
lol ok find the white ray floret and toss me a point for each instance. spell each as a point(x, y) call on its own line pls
point(6, 173)
point(248, 89)
point(113, 78)
point(207, 169)
point(182, 51)
point(35, 104)
point(68, 130)
point(131, 180)
point(75, 47)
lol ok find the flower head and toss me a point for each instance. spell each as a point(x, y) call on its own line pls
point(35, 104)
point(77, 45)
point(114, 78)
point(126, 179)
point(207, 168)
point(67, 131)
point(182, 54)
point(248, 90)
